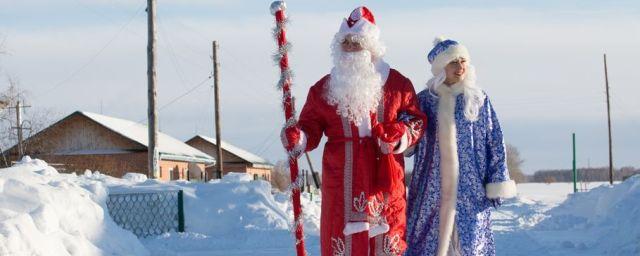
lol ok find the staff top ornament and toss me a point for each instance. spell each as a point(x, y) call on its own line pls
point(277, 6)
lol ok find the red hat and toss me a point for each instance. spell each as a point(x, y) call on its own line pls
point(360, 22)
point(359, 13)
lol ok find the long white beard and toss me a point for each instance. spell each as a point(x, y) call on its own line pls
point(355, 87)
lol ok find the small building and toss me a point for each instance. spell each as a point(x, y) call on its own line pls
point(234, 158)
point(113, 146)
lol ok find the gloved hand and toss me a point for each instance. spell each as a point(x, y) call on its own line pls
point(290, 137)
point(389, 135)
point(387, 147)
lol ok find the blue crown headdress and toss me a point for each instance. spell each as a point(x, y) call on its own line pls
point(440, 47)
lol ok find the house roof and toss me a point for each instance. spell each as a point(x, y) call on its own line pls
point(169, 148)
point(241, 153)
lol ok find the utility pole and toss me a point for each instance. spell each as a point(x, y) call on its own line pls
point(19, 128)
point(153, 154)
point(216, 88)
point(575, 173)
point(606, 79)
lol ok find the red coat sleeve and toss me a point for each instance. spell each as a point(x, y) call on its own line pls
point(415, 120)
point(311, 121)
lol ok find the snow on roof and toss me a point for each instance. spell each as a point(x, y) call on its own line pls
point(168, 147)
point(246, 155)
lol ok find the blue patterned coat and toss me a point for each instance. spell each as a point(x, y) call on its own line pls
point(482, 160)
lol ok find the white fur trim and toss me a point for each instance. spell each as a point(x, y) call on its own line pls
point(403, 145)
point(505, 189)
point(451, 53)
point(355, 227)
point(368, 34)
point(379, 229)
point(383, 69)
point(449, 166)
point(364, 128)
point(301, 146)
point(363, 28)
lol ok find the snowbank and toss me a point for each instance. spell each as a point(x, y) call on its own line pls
point(235, 214)
point(43, 212)
point(605, 220)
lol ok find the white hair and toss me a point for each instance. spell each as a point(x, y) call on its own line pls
point(473, 96)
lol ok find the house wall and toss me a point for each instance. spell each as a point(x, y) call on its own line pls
point(212, 150)
point(115, 165)
point(264, 174)
point(260, 173)
point(77, 133)
point(231, 162)
point(177, 170)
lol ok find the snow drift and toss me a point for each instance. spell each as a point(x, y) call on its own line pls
point(43, 212)
point(605, 220)
point(234, 214)
point(46, 213)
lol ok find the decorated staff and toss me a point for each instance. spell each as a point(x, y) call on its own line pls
point(277, 9)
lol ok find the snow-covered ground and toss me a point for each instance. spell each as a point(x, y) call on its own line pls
point(548, 219)
point(46, 213)
point(43, 212)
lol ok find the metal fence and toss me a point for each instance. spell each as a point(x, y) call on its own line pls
point(148, 213)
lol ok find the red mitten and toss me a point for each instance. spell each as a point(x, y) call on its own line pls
point(389, 135)
point(290, 137)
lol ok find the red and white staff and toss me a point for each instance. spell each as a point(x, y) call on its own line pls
point(277, 9)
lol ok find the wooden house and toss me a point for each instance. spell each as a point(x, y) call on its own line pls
point(113, 146)
point(234, 158)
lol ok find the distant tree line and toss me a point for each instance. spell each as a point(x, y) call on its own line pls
point(584, 174)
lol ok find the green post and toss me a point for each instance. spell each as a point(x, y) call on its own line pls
point(575, 173)
point(180, 212)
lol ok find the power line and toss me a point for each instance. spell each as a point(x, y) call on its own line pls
point(172, 54)
point(180, 96)
point(94, 56)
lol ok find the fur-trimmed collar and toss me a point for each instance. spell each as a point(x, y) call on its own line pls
point(454, 89)
point(383, 69)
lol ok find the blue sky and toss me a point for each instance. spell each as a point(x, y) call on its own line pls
point(540, 62)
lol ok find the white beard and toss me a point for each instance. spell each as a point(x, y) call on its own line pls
point(355, 87)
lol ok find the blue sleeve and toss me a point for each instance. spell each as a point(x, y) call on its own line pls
point(499, 185)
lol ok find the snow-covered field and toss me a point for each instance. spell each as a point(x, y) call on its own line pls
point(43, 212)
point(551, 220)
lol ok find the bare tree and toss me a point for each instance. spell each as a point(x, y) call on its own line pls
point(280, 177)
point(514, 164)
point(34, 119)
point(2, 42)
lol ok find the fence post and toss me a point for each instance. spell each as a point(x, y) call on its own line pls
point(180, 212)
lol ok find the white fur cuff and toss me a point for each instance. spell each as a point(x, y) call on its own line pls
point(355, 227)
point(378, 230)
point(505, 189)
point(404, 143)
point(301, 146)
